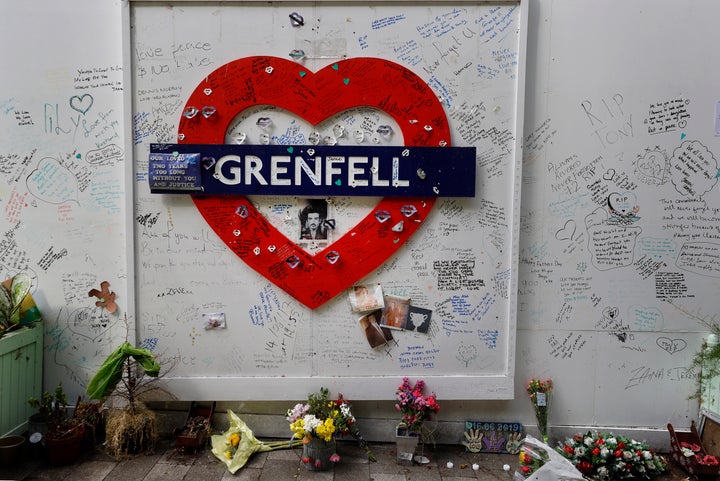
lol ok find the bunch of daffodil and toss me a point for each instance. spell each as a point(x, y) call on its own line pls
point(324, 419)
point(233, 440)
point(316, 418)
point(235, 446)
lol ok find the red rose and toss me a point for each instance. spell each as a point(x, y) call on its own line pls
point(526, 470)
point(578, 438)
point(569, 449)
point(621, 445)
point(596, 452)
point(585, 467)
point(599, 441)
point(618, 453)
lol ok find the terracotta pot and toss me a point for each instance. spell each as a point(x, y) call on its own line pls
point(66, 450)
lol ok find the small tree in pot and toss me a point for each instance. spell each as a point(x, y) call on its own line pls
point(132, 429)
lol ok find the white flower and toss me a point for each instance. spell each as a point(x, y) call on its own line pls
point(603, 472)
point(687, 452)
point(627, 455)
point(647, 455)
point(589, 441)
point(345, 410)
point(580, 451)
point(612, 441)
point(310, 422)
point(604, 452)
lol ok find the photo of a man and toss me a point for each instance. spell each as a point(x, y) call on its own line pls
point(312, 220)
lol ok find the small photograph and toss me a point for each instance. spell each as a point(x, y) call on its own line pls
point(214, 320)
point(376, 335)
point(418, 319)
point(314, 223)
point(366, 298)
point(395, 313)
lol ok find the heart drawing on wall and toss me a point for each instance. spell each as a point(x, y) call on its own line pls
point(347, 84)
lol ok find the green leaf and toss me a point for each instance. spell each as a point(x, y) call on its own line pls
point(5, 307)
point(111, 371)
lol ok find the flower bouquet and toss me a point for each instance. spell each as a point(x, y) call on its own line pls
point(318, 422)
point(531, 459)
point(415, 406)
point(603, 456)
point(235, 446)
point(539, 392)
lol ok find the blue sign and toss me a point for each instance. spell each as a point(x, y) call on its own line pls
point(306, 170)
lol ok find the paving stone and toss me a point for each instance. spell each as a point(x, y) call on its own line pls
point(167, 472)
point(205, 472)
point(136, 468)
point(244, 474)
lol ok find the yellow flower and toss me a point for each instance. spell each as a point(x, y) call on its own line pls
point(235, 439)
point(228, 454)
point(326, 429)
point(298, 427)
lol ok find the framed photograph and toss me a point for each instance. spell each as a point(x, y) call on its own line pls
point(366, 298)
point(376, 335)
point(418, 319)
point(316, 226)
point(395, 313)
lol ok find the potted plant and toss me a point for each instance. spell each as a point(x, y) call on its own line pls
point(195, 433)
point(91, 415)
point(12, 294)
point(130, 429)
point(63, 435)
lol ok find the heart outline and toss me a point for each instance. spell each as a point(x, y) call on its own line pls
point(80, 104)
point(378, 83)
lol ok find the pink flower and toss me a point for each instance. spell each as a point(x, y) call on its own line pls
point(335, 458)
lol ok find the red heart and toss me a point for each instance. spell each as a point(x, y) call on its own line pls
point(368, 82)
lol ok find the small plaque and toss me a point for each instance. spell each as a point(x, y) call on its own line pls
point(174, 172)
point(493, 437)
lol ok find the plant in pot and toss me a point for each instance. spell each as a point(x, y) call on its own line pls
point(131, 429)
point(13, 293)
point(92, 416)
point(63, 435)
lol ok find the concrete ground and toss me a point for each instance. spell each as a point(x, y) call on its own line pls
point(174, 465)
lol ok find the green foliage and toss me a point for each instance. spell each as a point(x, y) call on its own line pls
point(53, 410)
point(117, 365)
point(11, 300)
point(706, 363)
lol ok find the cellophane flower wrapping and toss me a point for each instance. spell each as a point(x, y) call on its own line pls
point(236, 445)
point(545, 463)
